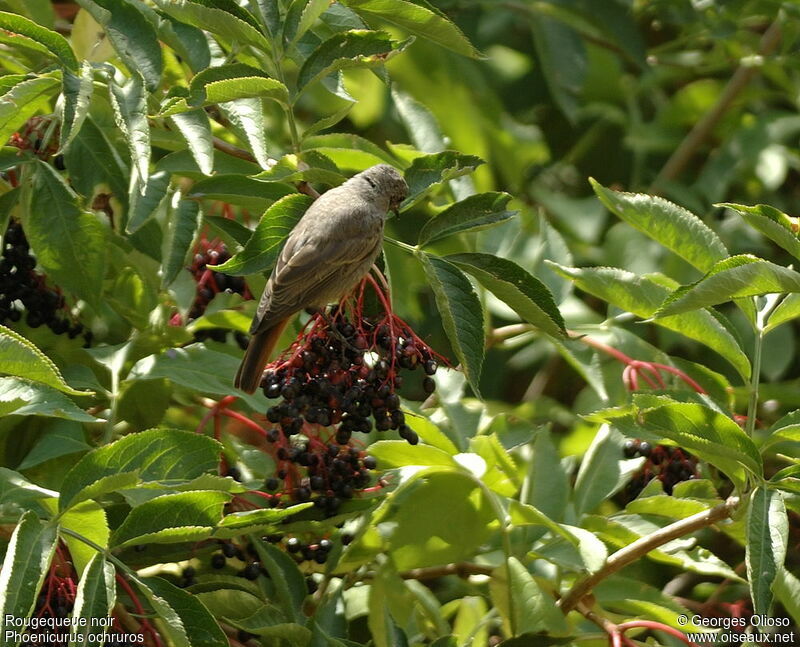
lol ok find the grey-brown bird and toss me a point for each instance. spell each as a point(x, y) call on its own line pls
point(330, 249)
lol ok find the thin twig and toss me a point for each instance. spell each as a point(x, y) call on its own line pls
point(644, 545)
point(703, 128)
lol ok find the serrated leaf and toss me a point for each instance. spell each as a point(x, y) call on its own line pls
point(428, 171)
point(130, 111)
point(149, 456)
point(145, 204)
point(95, 599)
point(23, 398)
point(185, 220)
point(247, 116)
point(461, 312)
point(262, 249)
point(787, 310)
point(354, 48)
point(521, 601)
point(767, 537)
point(674, 227)
point(732, 278)
point(192, 612)
point(421, 125)
point(23, 100)
point(289, 582)
point(24, 568)
point(77, 91)
point(224, 83)
point(642, 296)
point(132, 36)
point(196, 130)
point(69, 243)
point(172, 518)
point(471, 214)
point(564, 61)
point(239, 189)
point(235, 25)
point(55, 43)
point(517, 288)
point(172, 626)
point(93, 161)
point(711, 435)
point(419, 19)
point(391, 454)
point(260, 517)
point(771, 222)
point(21, 358)
point(302, 14)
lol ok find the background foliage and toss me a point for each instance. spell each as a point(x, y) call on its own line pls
point(623, 417)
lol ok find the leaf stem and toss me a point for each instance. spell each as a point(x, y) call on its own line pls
point(412, 249)
point(644, 545)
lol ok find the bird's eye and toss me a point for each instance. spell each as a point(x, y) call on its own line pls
point(371, 183)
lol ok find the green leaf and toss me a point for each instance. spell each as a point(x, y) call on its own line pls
point(786, 428)
point(429, 171)
point(461, 312)
point(419, 19)
point(54, 42)
point(774, 224)
point(25, 565)
point(259, 518)
point(150, 456)
point(471, 214)
point(16, 492)
point(421, 125)
point(239, 189)
point(69, 243)
point(23, 398)
point(711, 435)
point(192, 612)
point(767, 536)
point(603, 471)
point(185, 220)
point(261, 250)
point(172, 626)
point(224, 83)
point(93, 162)
point(732, 278)
point(302, 14)
point(391, 454)
point(23, 100)
point(674, 227)
point(290, 586)
point(172, 518)
point(787, 310)
point(232, 24)
point(59, 438)
point(145, 204)
point(642, 296)
point(522, 603)
point(77, 92)
point(21, 358)
point(247, 117)
point(132, 36)
point(95, 599)
point(130, 110)
point(199, 369)
point(88, 519)
point(354, 48)
point(516, 287)
point(196, 130)
point(561, 53)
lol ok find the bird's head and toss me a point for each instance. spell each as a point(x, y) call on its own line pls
point(386, 184)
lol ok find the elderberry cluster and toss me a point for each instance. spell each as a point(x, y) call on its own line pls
point(345, 377)
point(209, 283)
point(332, 474)
point(670, 465)
point(23, 290)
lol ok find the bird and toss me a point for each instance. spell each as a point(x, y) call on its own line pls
point(327, 253)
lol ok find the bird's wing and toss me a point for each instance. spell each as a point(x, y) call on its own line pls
point(309, 268)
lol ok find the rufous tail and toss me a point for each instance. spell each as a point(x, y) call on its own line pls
point(261, 345)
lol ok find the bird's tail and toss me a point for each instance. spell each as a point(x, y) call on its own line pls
point(261, 345)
